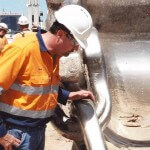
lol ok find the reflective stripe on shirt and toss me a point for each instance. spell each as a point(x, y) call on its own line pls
point(30, 90)
point(26, 113)
point(1, 90)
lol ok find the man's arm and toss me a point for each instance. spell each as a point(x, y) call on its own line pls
point(81, 95)
point(64, 95)
point(10, 64)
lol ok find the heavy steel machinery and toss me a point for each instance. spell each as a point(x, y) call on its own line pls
point(115, 66)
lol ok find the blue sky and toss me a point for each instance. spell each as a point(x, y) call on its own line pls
point(20, 6)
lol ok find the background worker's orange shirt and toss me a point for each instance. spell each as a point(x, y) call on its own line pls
point(23, 34)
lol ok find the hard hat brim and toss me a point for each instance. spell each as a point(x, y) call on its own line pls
point(82, 43)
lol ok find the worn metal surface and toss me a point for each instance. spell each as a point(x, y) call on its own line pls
point(94, 59)
point(125, 40)
point(120, 16)
point(127, 64)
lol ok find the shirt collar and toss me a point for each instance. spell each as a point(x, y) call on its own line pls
point(41, 42)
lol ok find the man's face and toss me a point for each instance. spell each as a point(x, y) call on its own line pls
point(69, 45)
point(2, 32)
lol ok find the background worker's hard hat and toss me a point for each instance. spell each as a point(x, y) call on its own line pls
point(3, 26)
point(78, 20)
point(23, 20)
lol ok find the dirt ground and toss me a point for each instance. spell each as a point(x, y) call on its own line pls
point(54, 141)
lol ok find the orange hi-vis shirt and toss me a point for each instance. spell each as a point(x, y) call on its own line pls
point(23, 34)
point(3, 42)
point(28, 79)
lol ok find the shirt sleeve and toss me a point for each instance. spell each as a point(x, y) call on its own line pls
point(63, 96)
point(10, 64)
point(11, 60)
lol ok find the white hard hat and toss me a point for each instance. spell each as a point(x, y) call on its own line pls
point(78, 20)
point(23, 20)
point(3, 26)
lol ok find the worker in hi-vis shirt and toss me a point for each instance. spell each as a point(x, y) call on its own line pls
point(23, 28)
point(29, 78)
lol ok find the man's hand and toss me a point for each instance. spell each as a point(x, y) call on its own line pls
point(81, 95)
point(8, 141)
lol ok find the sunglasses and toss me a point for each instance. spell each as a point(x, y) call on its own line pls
point(71, 38)
point(3, 30)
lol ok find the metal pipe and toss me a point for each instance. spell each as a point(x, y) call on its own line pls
point(88, 120)
point(97, 74)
